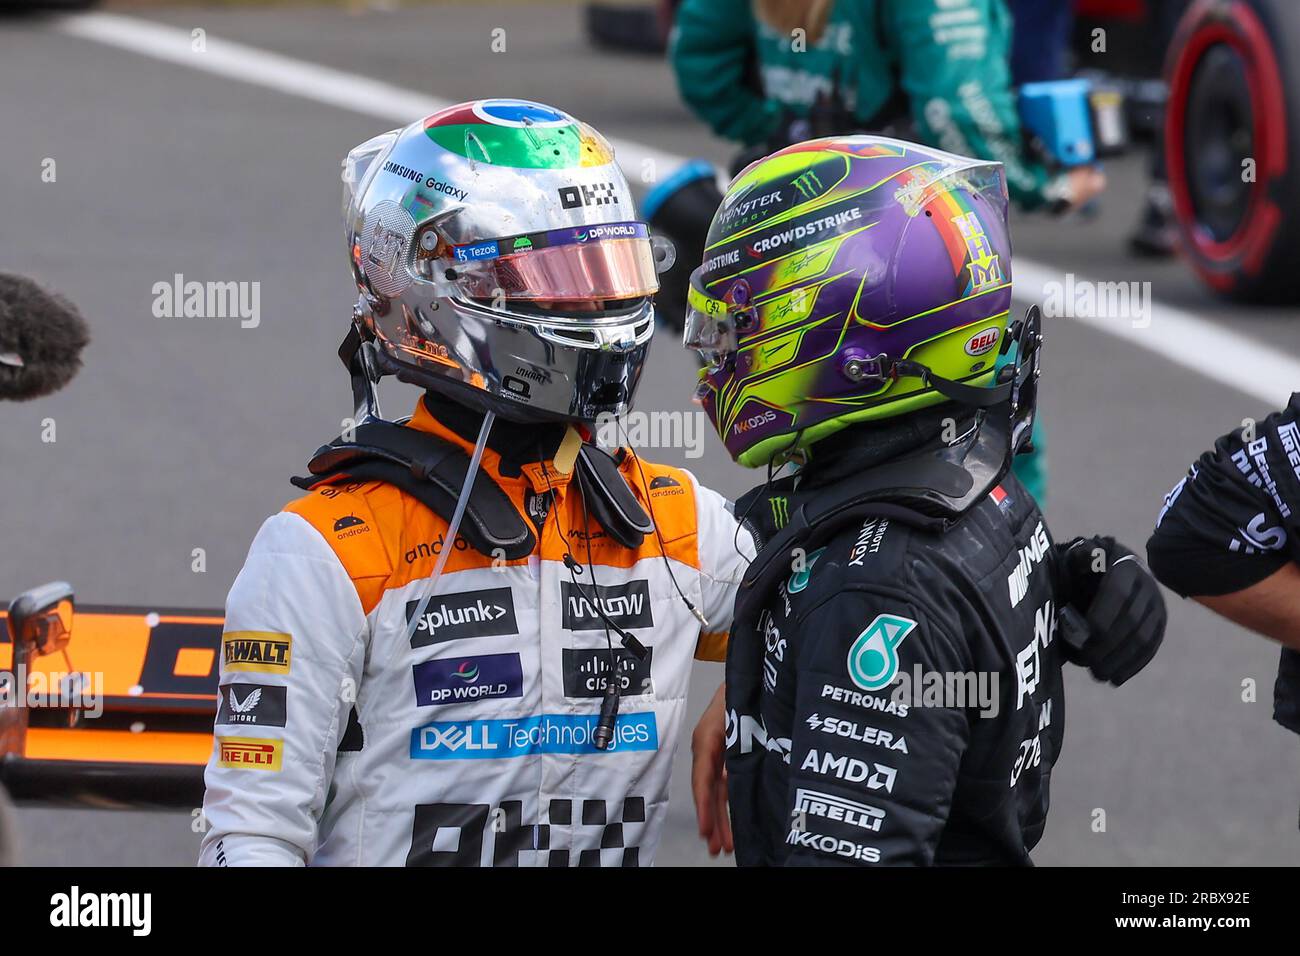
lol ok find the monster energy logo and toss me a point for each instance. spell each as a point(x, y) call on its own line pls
point(780, 510)
point(808, 184)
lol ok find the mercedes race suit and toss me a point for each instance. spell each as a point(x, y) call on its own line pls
point(901, 701)
point(1232, 522)
point(350, 734)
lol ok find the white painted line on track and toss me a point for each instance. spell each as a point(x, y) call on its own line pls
point(1212, 351)
point(1216, 353)
point(286, 74)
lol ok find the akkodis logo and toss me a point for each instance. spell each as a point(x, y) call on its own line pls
point(873, 658)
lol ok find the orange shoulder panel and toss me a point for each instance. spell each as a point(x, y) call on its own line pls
point(668, 495)
point(351, 518)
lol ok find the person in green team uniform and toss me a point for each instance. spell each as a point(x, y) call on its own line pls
point(767, 73)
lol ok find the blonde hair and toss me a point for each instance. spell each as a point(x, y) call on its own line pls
point(786, 16)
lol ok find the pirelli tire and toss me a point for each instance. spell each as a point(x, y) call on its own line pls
point(1232, 139)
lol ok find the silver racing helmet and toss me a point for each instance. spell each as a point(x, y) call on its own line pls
point(500, 261)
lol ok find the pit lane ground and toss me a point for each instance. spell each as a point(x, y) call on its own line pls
point(180, 434)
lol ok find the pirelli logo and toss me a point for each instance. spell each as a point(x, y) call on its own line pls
point(250, 753)
point(261, 652)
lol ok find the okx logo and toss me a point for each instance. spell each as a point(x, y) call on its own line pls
point(449, 617)
point(627, 605)
point(873, 658)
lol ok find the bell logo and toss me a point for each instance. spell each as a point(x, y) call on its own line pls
point(983, 340)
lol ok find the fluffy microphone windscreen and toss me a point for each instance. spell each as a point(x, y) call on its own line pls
point(41, 338)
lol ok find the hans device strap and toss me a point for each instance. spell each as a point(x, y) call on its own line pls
point(432, 470)
point(930, 490)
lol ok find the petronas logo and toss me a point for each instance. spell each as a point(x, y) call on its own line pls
point(873, 658)
point(780, 510)
point(808, 184)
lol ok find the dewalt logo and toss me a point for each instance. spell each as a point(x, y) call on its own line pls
point(261, 652)
point(250, 753)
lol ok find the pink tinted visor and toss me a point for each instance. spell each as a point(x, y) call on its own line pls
point(606, 261)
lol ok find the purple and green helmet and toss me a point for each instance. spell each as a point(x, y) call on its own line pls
point(833, 272)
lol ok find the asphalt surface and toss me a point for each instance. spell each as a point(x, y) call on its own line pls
point(181, 433)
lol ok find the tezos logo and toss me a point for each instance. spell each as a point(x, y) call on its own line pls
point(873, 658)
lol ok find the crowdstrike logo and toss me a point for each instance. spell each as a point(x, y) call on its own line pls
point(831, 223)
point(450, 617)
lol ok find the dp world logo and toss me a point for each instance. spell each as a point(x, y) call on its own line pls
point(873, 658)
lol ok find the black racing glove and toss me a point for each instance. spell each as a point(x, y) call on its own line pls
point(1114, 619)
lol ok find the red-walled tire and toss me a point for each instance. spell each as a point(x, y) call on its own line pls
point(1234, 96)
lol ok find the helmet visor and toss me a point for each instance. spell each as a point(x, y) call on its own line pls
point(606, 261)
point(712, 324)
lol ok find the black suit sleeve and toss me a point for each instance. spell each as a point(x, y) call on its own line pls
point(1229, 523)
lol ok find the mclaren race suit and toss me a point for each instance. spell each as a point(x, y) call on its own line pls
point(342, 740)
point(896, 698)
point(1232, 522)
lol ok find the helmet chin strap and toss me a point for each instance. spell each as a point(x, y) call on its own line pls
point(453, 527)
